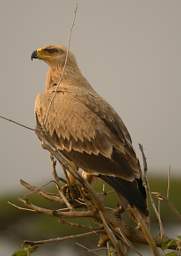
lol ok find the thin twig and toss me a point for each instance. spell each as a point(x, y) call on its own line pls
point(75, 225)
point(53, 161)
point(98, 249)
point(111, 235)
point(155, 210)
point(20, 207)
point(159, 208)
point(57, 213)
point(65, 63)
point(60, 239)
point(128, 242)
point(170, 204)
point(149, 192)
point(146, 233)
point(168, 182)
point(174, 209)
point(42, 193)
point(17, 123)
point(86, 248)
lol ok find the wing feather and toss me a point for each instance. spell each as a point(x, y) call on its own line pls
point(75, 126)
point(82, 122)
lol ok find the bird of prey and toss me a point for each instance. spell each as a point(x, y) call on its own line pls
point(85, 128)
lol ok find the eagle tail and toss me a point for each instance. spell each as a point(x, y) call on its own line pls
point(134, 192)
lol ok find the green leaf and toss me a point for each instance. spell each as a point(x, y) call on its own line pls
point(25, 251)
point(171, 254)
point(168, 243)
point(21, 252)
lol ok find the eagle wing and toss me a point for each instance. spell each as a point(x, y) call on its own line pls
point(86, 129)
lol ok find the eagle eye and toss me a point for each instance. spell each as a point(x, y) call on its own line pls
point(51, 50)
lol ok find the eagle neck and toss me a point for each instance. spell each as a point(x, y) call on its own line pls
point(69, 76)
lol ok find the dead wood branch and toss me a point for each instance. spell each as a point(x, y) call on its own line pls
point(60, 239)
point(42, 193)
point(109, 226)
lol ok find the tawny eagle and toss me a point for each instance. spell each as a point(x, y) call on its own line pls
point(85, 128)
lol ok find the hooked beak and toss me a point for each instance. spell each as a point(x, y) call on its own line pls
point(34, 55)
point(38, 54)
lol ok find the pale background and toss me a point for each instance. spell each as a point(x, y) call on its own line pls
point(129, 50)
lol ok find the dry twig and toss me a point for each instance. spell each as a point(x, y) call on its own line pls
point(65, 63)
point(42, 193)
point(108, 225)
point(60, 239)
point(149, 192)
point(168, 182)
point(17, 123)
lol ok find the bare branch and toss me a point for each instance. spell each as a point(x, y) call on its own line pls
point(57, 213)
point(60, 239)
point(57, 183)
point(42, 193)
point(110, 225)
point(17, 123)
point(111, 235)
point(75, 225)
point(20, 207)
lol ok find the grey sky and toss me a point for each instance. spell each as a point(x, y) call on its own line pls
point(130, 52)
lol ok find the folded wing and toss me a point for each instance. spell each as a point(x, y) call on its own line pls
point(86, 129)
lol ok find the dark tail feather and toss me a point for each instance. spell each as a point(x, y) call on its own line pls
point(133, 191)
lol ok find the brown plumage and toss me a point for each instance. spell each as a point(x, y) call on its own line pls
point(85, 128)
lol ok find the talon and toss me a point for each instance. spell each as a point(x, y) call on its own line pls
point(71, 192)
point(103, 238)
